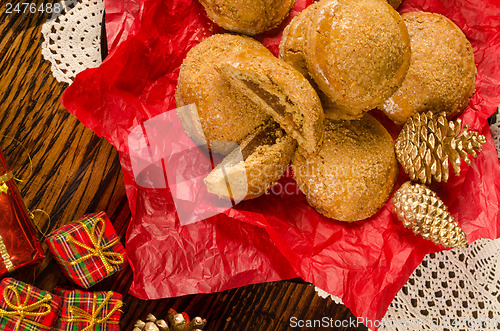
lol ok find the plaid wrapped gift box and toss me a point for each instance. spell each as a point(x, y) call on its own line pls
point(24, 307)
point(89, 311)
point(88, 249)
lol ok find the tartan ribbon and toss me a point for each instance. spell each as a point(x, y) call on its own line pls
point(92, 319)
point(22, 309)
point(3, 182)
point(99, 247)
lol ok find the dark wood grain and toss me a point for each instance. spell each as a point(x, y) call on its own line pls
point(75, 172)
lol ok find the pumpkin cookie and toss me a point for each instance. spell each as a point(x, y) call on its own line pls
point(353, 174)
point(247, 16)
point(357, 52)
point(442, 69)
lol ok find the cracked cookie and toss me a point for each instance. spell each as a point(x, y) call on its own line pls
point(253, 167)
point(281, 91)
point(219, 107)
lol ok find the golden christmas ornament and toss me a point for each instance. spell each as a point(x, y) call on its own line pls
point(428, 142)
point(421, 210)
point(176, 322)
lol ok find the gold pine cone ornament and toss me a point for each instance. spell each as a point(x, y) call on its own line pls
point(428, 143)
point(421, 210)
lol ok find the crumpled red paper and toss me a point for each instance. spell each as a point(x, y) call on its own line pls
point(277, 236)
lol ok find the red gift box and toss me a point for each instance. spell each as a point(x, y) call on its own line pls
point(26, 308)
point(19, 245)
point(277, 236)
point(88, 250)
point(89, 311)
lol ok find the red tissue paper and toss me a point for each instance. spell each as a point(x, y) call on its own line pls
point(277, 236)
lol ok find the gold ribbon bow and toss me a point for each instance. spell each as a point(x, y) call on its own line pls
point(22, 310)
point(5, 256)
point(4, 188)
point(98, 248)
point(92, 319)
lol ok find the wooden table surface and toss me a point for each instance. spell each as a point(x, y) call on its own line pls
point(75, 172)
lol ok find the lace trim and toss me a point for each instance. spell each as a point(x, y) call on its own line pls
point(72, 38)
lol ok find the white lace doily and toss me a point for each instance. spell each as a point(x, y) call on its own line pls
point(450, 290)
point(325, 294)
point(455, 290)
point(72, 38)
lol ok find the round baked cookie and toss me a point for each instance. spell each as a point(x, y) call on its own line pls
point(220, 109)
point(247, 16)
point(354, 172)
point(442, 69)
point(357, 52)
